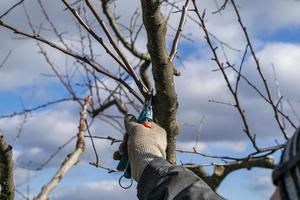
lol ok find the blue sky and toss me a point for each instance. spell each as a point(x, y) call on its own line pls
point(274, 29)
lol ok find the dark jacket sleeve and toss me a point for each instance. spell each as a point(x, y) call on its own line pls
point(163, 181)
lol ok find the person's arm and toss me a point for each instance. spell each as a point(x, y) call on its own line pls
point(157, 178)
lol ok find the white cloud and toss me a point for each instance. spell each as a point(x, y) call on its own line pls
point(188, 146)
point(285, 57)
point(230, 146)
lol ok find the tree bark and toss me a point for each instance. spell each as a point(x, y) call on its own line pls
point(165, 101)
point(7, 190)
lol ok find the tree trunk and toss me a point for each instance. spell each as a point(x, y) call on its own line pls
point(165, 101)
point(6, 171)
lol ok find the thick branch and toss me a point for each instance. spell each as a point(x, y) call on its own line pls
point(165, 100)
point(72, 159)
point(121, 107)
point(144, 75)
point(221, 171)
point(7, 189)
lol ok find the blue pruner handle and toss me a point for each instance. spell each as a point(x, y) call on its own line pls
point(124, 166)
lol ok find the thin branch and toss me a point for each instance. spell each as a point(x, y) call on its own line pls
point(280, 97)
point(74, 55)
point(5, 59)
point(72, 159)
point(22, 195)
point(59, 35)
point(102, 167)
point(254, 155)
point(113, 140)
point(221, 8)
point(113, 25)
point(108, 104)
point(142, 87)
point(179, 30)
point(54, 154)
point(29, 110)
point(11, 8)
point(240, 69)
point(293, 110)
point(261, 94)
point(92, 140)
point(258, 67)
point(220, 102)
point(230, 87)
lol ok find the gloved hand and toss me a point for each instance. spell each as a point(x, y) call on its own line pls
point(143, 145)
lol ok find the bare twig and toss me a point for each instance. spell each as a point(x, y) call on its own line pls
point(142, 87)
point(240, 69)
point(114, 26)
point(259, 69)
point(293, 110)
point(72, 159)
point(5, 59)
point(75, 55)
point(230, 87)
point(280, 97)
point(106, 105)
point(29, 110)
point(92, 140)
point(55, 153)
point(220, 102)
point(11, 8)
point(109, 170)
point(221, 7)
point(261, 94)
point(22, 195)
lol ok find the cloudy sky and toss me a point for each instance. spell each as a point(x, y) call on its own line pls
point(274, 28)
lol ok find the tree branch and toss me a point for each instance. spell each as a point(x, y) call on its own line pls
point(142, 87)
point(259, 70)
point(74, 55)
point(121, 107)
point(11, 8)
point(222, 170)
point(114, 26)
point(72, 159)
point(179, 30)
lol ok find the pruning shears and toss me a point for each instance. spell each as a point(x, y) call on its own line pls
point(145, 118)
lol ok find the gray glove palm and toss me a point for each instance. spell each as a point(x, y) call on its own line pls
point(143, 145)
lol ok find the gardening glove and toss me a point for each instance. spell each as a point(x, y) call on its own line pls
point(143, 145)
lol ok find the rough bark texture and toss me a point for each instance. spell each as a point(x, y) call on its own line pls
point(7, 189)
point(165, 100)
